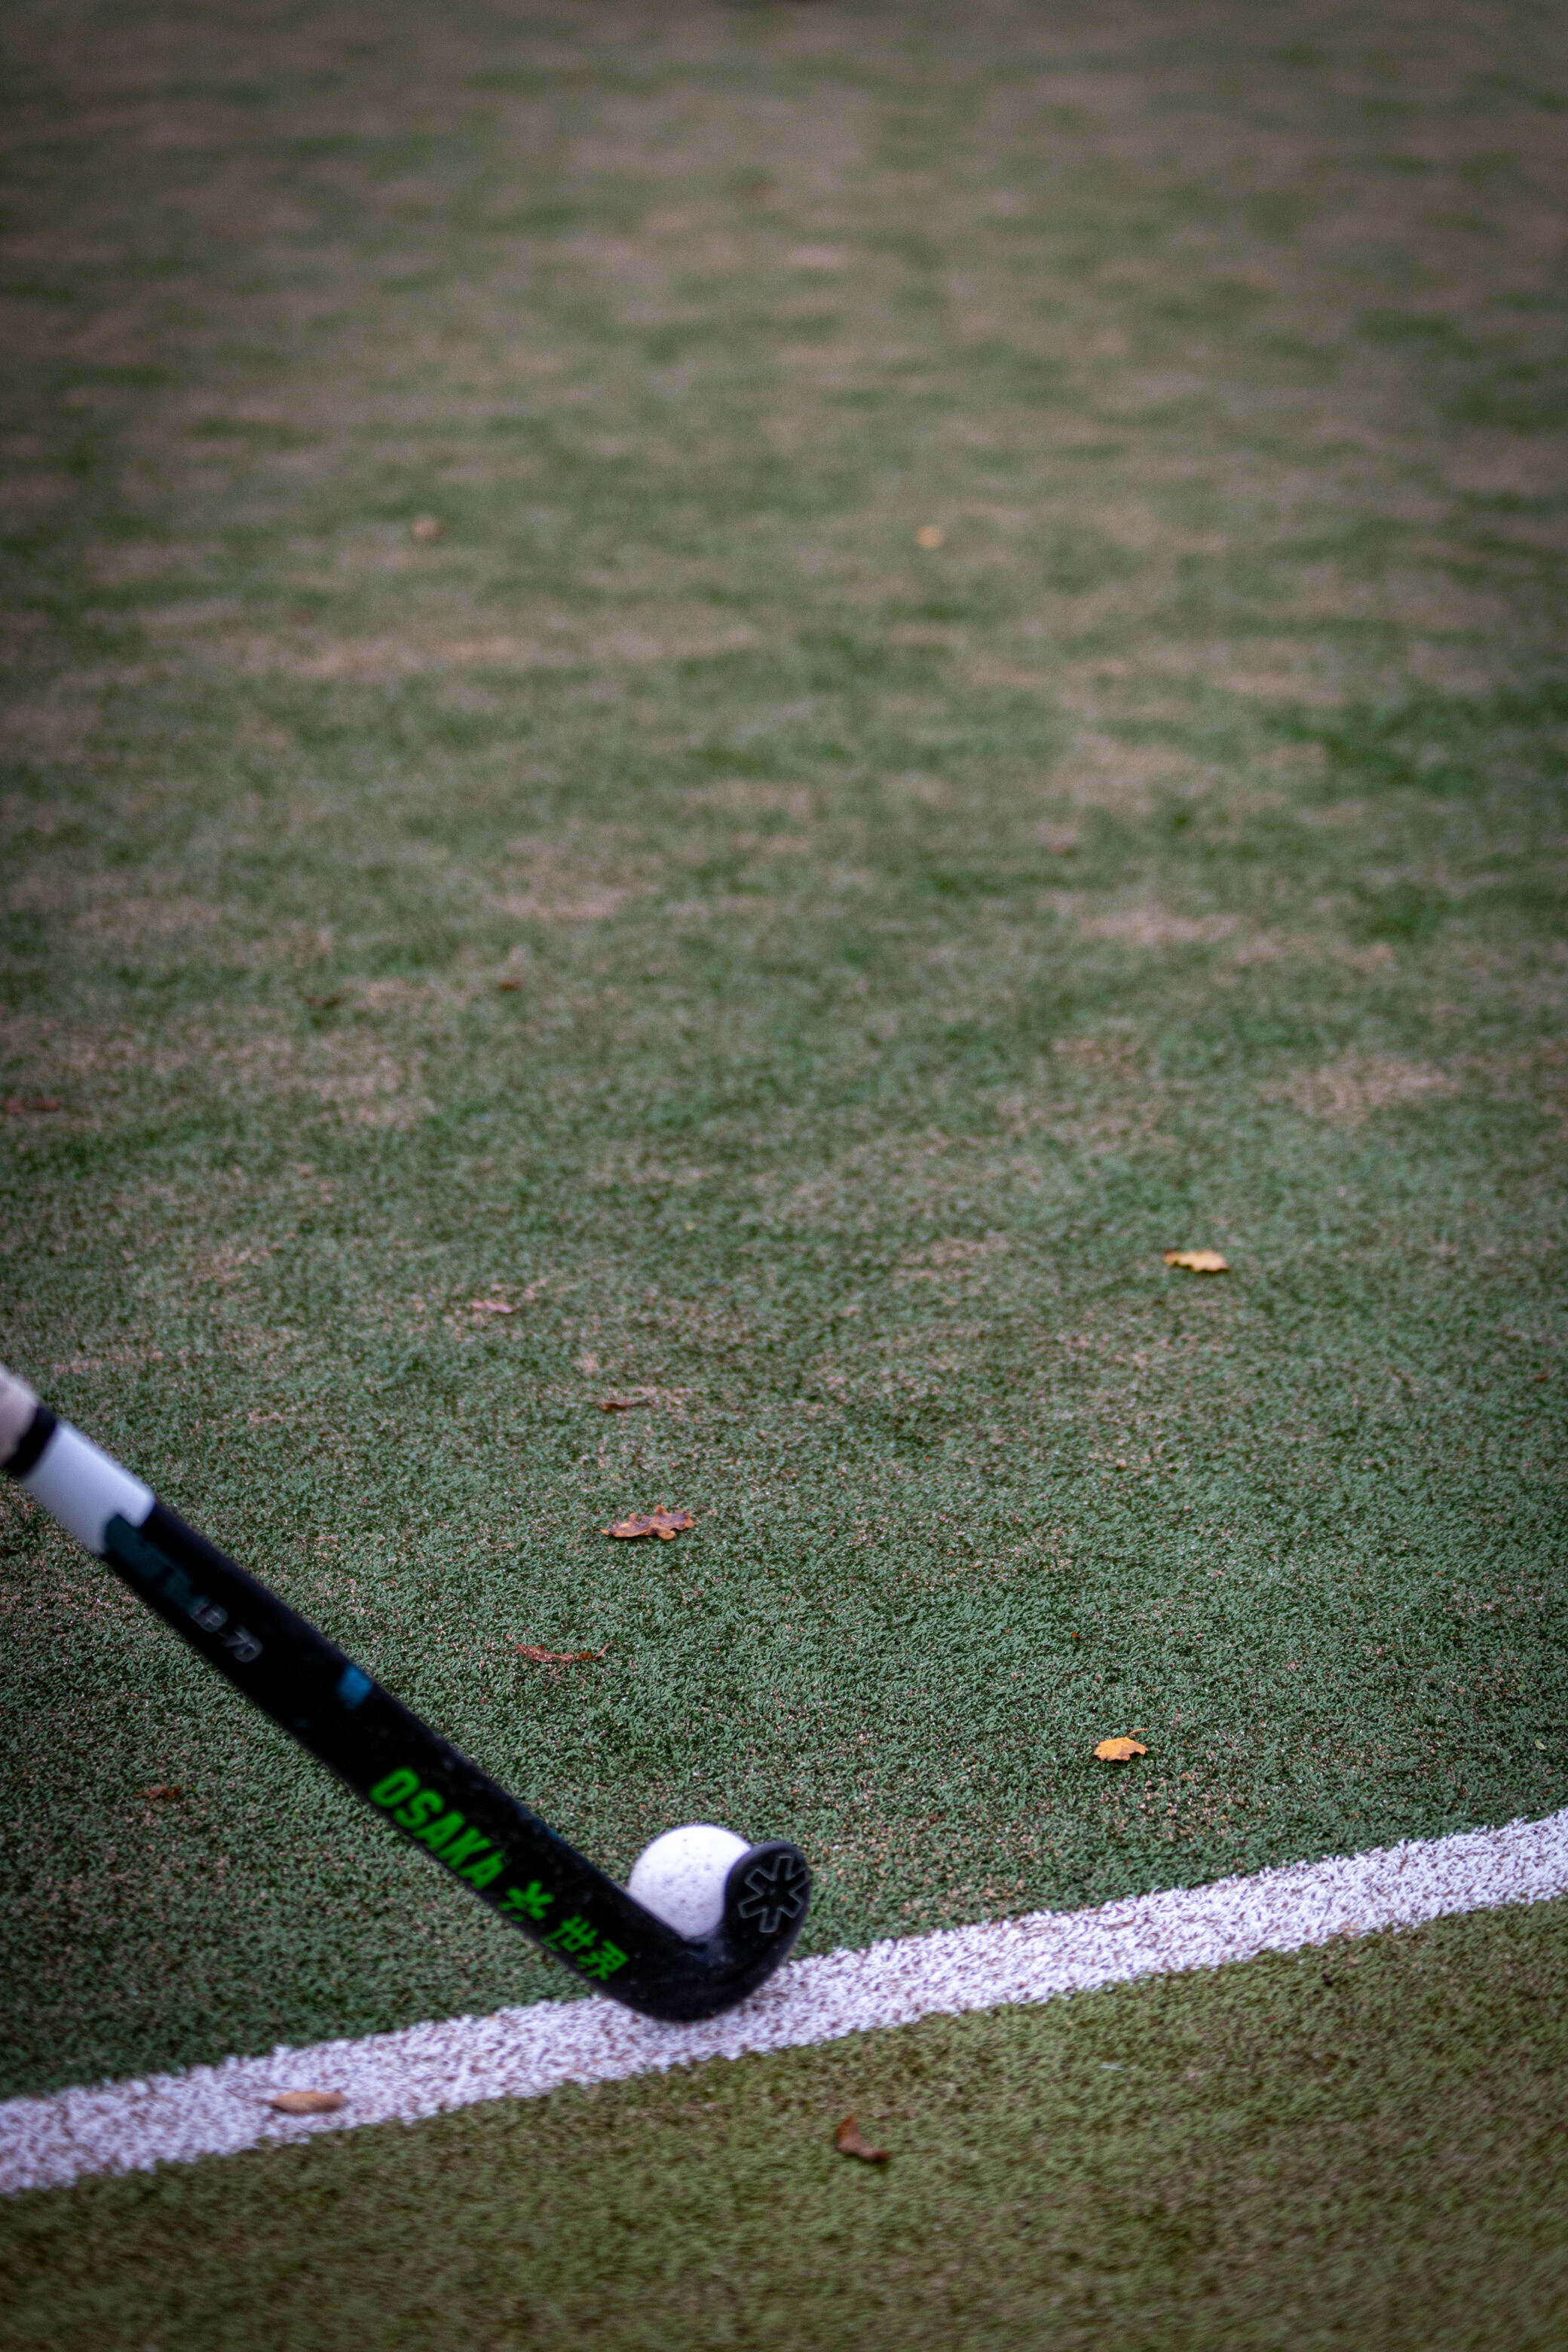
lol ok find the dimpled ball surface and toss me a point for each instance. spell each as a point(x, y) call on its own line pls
point(680, 1876)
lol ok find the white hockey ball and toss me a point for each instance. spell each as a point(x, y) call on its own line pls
point(680, 1876)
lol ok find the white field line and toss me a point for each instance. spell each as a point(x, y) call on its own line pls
point(521, 2053)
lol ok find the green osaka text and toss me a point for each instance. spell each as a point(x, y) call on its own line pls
point(425, 1814)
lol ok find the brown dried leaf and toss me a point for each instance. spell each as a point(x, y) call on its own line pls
point(18, 1106)
point(1120, 1752)
point(850, 2140)
point(307, 2103)
point(427, 527)
point(163, 1789)
point(1198, 1261)
point(489, 1307)
point(664, 1523)
point(622, 1405)
point(538, 1657)
point(930, 535)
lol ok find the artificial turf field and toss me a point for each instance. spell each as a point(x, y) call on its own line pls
point(808, 976)
point(1364, 2149)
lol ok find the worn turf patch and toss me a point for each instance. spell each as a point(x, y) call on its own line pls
point(1359, 2144)
point(808, 972)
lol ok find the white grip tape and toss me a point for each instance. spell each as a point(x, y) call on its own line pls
point(84, 1488)
point(18, 1404)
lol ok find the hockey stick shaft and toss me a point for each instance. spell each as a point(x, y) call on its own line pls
point(430, 1791)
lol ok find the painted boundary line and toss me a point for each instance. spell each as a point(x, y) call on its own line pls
point(521, 2053)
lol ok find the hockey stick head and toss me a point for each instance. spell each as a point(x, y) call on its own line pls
point(766, 1892)
point(765, 1897)
point(751, 1917)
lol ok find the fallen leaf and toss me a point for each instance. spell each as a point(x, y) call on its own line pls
point(664, 1523)
point(622, 1404)
point(18, 1106)
point(489, 1307)
point(1120, 1752)
point(508, 986)
point(850, 2140)
point(307, 2103)
point(538, 1657)
point(427, 527)
point(163, 1789)
point(930, 534)
point(1198, 1261)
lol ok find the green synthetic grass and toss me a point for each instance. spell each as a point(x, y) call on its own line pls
point(909, 944)
point(1363, 2145)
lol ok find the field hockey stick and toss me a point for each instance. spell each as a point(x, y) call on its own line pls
point(438, 1799)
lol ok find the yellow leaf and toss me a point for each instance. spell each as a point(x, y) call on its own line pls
point(307, 2103)
point(1120, 1752)
point(664, 1523)
point(1198, 1261)
point(930, 534)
